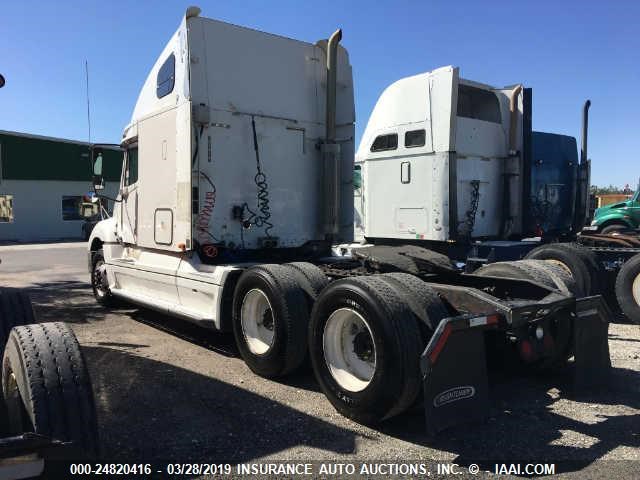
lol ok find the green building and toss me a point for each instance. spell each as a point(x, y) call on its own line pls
point(43, 181)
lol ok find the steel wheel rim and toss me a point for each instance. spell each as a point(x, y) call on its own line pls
point(349, 349)
point(635, 289)
point(100, 282)
point(257, 320)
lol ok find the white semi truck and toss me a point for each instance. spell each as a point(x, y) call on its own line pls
point(237, 181)
point(454, 166)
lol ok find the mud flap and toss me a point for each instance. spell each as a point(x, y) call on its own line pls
point(454, 372)
point(591, 343)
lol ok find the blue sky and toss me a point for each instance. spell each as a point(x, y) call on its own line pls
point(566, 51)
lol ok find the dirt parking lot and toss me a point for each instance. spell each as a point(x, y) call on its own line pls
point(168, 391)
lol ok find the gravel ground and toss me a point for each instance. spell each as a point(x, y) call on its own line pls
point(168, 391)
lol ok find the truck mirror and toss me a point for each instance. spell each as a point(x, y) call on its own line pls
point(89, 206)
point(1, 81)
point(98, 180)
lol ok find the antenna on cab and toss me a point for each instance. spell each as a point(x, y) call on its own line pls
point(86, 71)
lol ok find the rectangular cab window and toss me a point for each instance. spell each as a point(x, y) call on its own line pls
point(385, 142)
point(414, 138)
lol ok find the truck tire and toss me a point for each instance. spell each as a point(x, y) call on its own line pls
point(365, 345)
point(517, 270)
point(99, 282)
point(628, 289)
point(562, 277)
point(579, 261)
point(15, 310)
point(46, 387)
point(561, 330)
point(310, 277)
point(423, 300)
point(429, 310)
point(614, 228)
point(270, 320)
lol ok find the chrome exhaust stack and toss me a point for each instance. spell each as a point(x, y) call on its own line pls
point(583, 183)
point(585, 128)
point(331, 178)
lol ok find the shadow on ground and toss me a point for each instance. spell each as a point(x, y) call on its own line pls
point(522, 425)
point(65, 301)
point(159, 412)
point(154, 410)
point(73, 302)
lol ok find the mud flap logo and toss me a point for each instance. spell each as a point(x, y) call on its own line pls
point(453, 395)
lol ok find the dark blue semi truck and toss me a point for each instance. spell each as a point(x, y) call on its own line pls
point(556, 210)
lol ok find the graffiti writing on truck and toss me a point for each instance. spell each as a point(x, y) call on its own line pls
point(204, 216)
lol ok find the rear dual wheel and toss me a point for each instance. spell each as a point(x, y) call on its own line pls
point(365, 342)
point(271, 309)
point(554, 338)
point(547, 273)
point(365, 335)
point(581, 262)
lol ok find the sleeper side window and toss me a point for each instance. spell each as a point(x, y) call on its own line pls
point(166, 77)
point(385, 142)
point(414, 138)
point(478, 104)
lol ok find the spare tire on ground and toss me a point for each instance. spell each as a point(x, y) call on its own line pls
point(581, 262)
point(15, 310)
point(46, 387)
point(628, 289)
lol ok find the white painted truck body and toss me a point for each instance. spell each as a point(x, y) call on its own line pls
point(449, 133)
point(192, 131)
point(209, 231)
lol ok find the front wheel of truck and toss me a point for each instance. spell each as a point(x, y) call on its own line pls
point(99, 281)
